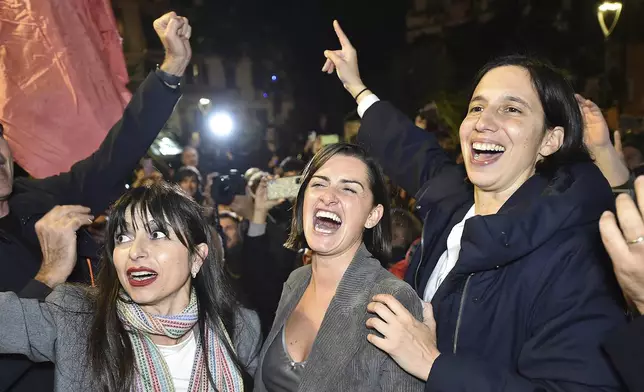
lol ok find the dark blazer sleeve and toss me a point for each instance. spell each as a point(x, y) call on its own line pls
point(573, 312)
point(98, 180)
point(36, 290)
point(263, 276)
point(625, 347)
point(408, 154)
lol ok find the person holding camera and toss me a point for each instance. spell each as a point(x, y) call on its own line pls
point(264, 276)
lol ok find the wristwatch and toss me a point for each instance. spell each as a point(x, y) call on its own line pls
point(170, 80)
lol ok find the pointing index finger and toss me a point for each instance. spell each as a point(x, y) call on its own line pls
point(344, 41)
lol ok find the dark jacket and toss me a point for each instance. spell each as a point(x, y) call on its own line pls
point(625, 347)
point(532, 295)
point(266, 264)
point(94, 182)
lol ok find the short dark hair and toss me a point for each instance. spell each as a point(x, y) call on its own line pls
point(187, 171)
point(560, 108)
point(408, 222)
point(376, 239)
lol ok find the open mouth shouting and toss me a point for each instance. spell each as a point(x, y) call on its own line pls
point(486, 153)
point(141, 276)
point(326, 222)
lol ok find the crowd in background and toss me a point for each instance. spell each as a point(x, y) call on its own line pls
point(51, 231)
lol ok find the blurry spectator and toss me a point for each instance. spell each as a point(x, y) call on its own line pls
point(147, 174)
point(406, 229)
point(271, 151)
point(632, 157)
point(290, 167)
point(230, 225)
point(190, 157)
point(267, 232)
point(94, 182)
point(97, 229)
point(189, 179)
point(427, 118)
point(351, 127)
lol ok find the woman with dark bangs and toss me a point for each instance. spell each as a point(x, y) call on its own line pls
point(162, 317)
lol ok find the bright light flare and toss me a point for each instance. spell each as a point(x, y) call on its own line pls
point(221, 124)
point(204, 101)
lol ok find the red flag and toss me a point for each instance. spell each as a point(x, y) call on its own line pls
point(62, 80)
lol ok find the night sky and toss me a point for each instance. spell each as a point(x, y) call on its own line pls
point(299, 31)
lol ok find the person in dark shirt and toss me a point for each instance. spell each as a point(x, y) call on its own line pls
point(92, 183)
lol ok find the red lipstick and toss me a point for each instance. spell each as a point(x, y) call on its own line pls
point(141, 276)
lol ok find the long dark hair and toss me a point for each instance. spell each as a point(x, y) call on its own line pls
point(376, 239)
point(560, 108)
point(110, 354)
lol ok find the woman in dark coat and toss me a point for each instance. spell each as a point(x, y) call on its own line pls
point(511, 258)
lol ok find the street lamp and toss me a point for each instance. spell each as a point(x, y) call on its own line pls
point(608, 8)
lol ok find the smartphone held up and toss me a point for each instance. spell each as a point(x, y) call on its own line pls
point(284, 188)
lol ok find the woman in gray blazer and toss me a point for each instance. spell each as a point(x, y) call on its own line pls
point(318, 341)
point(162, 317)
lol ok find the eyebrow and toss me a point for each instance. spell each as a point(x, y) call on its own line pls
point(343, 181)
point(505, 97)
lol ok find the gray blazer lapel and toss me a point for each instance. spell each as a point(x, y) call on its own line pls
point(291, 294)
point(342, 331)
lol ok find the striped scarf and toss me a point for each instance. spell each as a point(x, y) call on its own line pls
point(153, 374)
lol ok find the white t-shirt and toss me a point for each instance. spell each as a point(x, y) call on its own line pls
point(448, 259)
point(180, 359)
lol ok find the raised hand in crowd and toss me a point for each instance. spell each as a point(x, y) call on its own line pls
point(597, 139)
point(174, 32)
point(262, 204)
point(344, 61)
point(626, 246)
point(56, 233)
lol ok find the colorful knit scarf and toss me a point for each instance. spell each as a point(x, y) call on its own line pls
point(153, 374)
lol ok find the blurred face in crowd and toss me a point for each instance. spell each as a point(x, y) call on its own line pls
point(153, 266)
point(633, 157)
point(230, 228)
point(190, 185)
point(6, 169)
point(351, 129)
point(190, 157)
point(503, 136)
point(338, 206)
point(399, 236)
point(420, 122)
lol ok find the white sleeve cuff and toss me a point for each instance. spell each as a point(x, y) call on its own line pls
point(256, 230)
point(366, 103)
